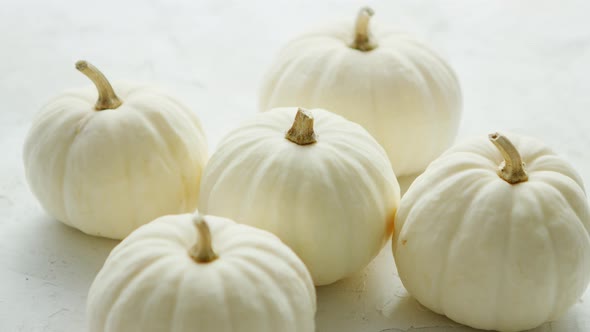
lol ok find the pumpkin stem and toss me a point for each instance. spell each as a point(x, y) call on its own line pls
point(512, 169)
point(202, 251)
point(107, 99)
point(362, 38)
point(302, 130)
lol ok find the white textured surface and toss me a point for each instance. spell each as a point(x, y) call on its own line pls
point(524, 66)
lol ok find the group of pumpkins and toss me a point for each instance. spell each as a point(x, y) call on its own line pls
point(494, 233)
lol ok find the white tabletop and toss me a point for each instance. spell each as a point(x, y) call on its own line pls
point(524, 66)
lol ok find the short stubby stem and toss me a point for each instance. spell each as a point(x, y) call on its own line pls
point(202, 251)
point(362, 38)
point(512, 169)
point(107, 99)
point(302, 130)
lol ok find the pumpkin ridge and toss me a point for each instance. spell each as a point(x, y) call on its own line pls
point(283, 196)
point(335, 58)
point(553, 164)
point(259, 176)
point(552, 183)
point(486, 161)
point(275, 281)
point(338, 172)
point(471, 186)
point(154, 296)
point(222, 169)
point(121, 287)
point(174, 309)
point(360, 170)
point(247, 273)
point(504, 267)
point(62, 187)
point(150, 128)
point(58, 107)
point(223, 283)
point(555, 261)
point(280, 81)
point(269, 81)
point(43, 125)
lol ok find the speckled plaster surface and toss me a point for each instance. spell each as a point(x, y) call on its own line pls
point(524, 66)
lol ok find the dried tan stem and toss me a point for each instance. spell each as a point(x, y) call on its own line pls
point(302, 130)
point(107, 99)
point(512, 169)
point(362, 39)
point(202, 251)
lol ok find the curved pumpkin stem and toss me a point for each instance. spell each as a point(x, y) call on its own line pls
point(107, 99)
point(512, 169)
point(362, 38)
point(202, 251)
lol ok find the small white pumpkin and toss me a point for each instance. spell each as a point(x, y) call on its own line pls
point(497, 249)
point(109, 167)
point(331, 197)
point(184, 273)
point(402, 92)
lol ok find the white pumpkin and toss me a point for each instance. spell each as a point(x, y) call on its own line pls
point(402, 92)
point(184, 273)
point(497, 249)
point(108, 168)
point(326, 188)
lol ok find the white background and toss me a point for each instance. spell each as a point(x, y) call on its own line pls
point(524, 65)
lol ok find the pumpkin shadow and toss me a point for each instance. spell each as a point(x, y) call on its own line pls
point(348, 304)
point(410, 307)
point(58, 254)
point(419, 318)
point(374, 300)
point(341, 305)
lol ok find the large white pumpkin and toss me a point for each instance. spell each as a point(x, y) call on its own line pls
point(184, 273)
point(326, 188)
point(498, 249)
point(109, 167)
point(401, 91)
